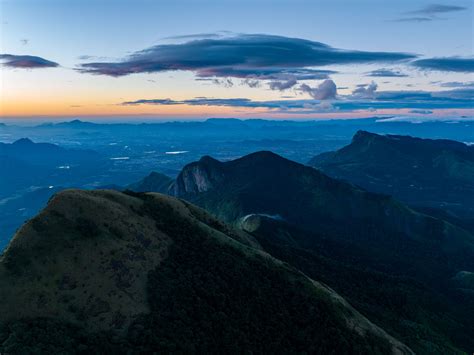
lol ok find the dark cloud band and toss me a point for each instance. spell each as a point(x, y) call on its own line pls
point(368, 99)
point(435, 9)
point(242, 56)
point(454, 64)
point(386, 73)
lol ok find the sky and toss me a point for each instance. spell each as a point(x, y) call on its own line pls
point(248, 59)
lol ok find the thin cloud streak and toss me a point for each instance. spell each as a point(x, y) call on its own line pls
point(453, 64)
point(366, 99)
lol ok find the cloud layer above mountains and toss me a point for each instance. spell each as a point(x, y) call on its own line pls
point(364, 97)
point(281, 63)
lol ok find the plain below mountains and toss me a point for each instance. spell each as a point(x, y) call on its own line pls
point(108, 272)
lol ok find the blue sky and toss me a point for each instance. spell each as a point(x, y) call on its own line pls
point(79, 34)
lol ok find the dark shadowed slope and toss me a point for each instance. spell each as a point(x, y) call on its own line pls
point(155, 182)
point(265, 183)
point(430, 318)
point(422, 172)
point(103, 271)
point(369, 234)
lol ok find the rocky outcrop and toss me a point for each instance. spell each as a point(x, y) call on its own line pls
point(197, 177)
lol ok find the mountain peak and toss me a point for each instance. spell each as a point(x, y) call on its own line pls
point(425, 172)
point(197, 177)
point(23, 142)
point(264, 154)
point(75, 122)
point(207, 159)
point(202, 175)
point(364, 135)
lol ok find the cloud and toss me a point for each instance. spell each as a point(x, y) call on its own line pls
point(386, 73)
point(454, 64)
point(203, 101)
point(196, 36)
point(458, 84)
point(422, 101)
point(226, 82)
point(265, 73)
point(457, 94)
point(26, 61)
point(422, 112)
point(434, 9)
point(429, 13)
point(327, 90)
point(282, 85)
point(256, 56)
point(163, 102)
point(365, 91)
point(251, 83)
point(293, 106)
point(414, 19)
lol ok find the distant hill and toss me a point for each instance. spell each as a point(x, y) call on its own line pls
point(45, 153)
point(26, 164)
point(107, 272)
point(422, 172)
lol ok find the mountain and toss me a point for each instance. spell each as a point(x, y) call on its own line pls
point(265, 183)
point(393, 262)
point(69, 124)
point(27, 164)
point(154, 182)
point(429, 317)
point(421, 172)
point(104, 271)
point(45, 153)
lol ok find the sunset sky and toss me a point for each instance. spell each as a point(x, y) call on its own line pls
point(260, 58)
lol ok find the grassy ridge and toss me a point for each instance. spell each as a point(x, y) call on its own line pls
point(213, 290)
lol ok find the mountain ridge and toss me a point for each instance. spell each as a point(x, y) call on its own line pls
point(130, 236)
point(269, 179)
point(422, 172)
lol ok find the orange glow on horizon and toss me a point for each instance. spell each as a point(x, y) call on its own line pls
point(45, 107)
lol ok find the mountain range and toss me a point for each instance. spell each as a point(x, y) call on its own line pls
point(278, 257)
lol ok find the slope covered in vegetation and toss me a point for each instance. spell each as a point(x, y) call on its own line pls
point(104, 271)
